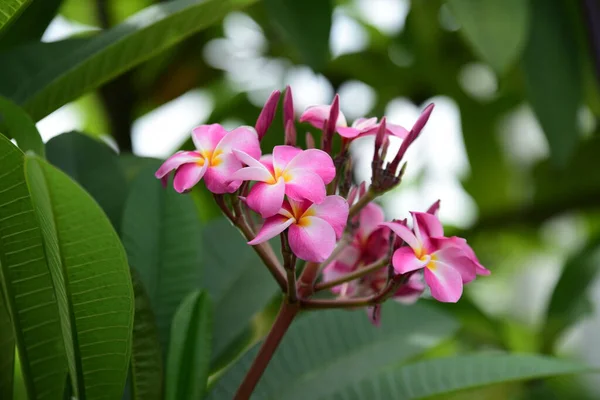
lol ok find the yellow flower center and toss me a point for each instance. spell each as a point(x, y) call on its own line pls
point(213, 158)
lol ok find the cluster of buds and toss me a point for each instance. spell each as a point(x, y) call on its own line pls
point(308, 199)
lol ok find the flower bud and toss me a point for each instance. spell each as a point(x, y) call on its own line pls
point(267, 114)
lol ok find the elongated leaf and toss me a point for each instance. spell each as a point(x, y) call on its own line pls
point(189, 349)
point(9, 9)
point(305, 25)
point(497, 30)
point(162, 235)
point(324, 352)
point(47, 76)
point(16, 124)
point(31, 24)
point(555, 93)
point(95, 166)
point(27, 282)
point(447, 375)
point(82, 245)
point(7, 350)
point(146, 355)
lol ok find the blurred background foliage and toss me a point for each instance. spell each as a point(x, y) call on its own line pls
point(511, 149)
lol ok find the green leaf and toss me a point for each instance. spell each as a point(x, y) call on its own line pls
point(7, 350)
point(82, 246)
point(446, 375)
point(31, 24)
point(570, 302)
point(305, 25)
point(239, 284)
point(27, 283)
point(497, 30)
point(324, 352)
point(10, 9)
point(16, 124)
point(189, 350)
point(552, 77)
point(46, 76)
point(162, 235)
point(93, 165)
point(146, 354)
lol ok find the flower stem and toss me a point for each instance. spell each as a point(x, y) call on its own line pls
point(361, 203)
point(289, 265)
point(286, 315)
point(353, 275)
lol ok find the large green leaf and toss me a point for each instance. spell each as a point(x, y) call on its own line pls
point(82, 246)
point(324, 352)
point(239, 284)
point(146, 355)
point(7, 350)
point(31, 24)
point(305, 25)
point(553, 77)
point(189, 350)
point(95, 166)
point(47, 76)
point(497, 30)
point(446, 375)
point(27, 283)
point(16, 124)
point(162, 235)
point(9, 9)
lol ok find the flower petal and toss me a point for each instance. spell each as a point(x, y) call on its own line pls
point(405, 234)
point(410, 292)
point(396, 130)
point(305, 185)
point(445, 282)
point(187, 176)
point(243, 138)
point(456, 258)
point(218, 177)
point(427, 225)
point(282, 155)
point(404, 260)
point(207, 137)
point(334, 210)
point(312, 239)
point(363, 124)
point(369, 219)
point(255, 171)
point(316, 161)
point(316, 116)
point(272, 227)
point(266, 199)
point(175, 161)
point(348, 133)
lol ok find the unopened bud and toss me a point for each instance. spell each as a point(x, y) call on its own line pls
point(288, 107)
point(434, 208)
point(290, 133)
point(310, 141)
point(423, 118)
point(267, 114)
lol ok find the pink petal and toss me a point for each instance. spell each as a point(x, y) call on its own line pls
point(369, 219)
point(267, 114)
point(282, 155)
point(404, 260)
point(445, 282)
point(266, 199)
point(175, 161)
point(410, 292)
point(362, 124)
point(396, 130)
point(456, 258)
point(462, 243)
point(426, 226)
point(207, 137)
point(312, 239)
point(334, 210)
point(272, 227)
point(316, 116)
point(187, 176)
point(348, 133)
point(256, 171)
point(218, 178)
point(243, 138)
point(316, 161)
point(305, 185)
point(405, 234)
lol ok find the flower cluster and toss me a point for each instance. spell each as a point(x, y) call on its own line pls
point(308, 199)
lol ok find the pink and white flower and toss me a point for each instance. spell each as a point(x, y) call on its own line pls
point(212, 160)
point(313, 228)
point(448, 263)
point(299, 174)
point(317, 115)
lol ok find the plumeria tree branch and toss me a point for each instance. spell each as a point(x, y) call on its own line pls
point(359, 273)
point(289, 265)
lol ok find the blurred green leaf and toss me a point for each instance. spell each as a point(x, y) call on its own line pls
point(85, 11)
point(9, 10)
point(162, 235)
point(553, 77)
point(305, 25)
point(95, 166)
point(133, 165)
point(91, 277)
point(45, 76)
point(570, 302)
point(27, 284)
point(31, 24)
point(497, 30)
point(7, 350)
point(448, 375)
point(16, 124)
point(190, 347)
point(146, 354)
point(326, 351)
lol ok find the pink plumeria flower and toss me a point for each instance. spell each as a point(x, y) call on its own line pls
point(313, 228)
point(299, 174)
point(212, 160)
point(445, 262)
point(316, 116)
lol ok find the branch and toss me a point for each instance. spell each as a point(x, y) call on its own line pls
point(353, 275)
